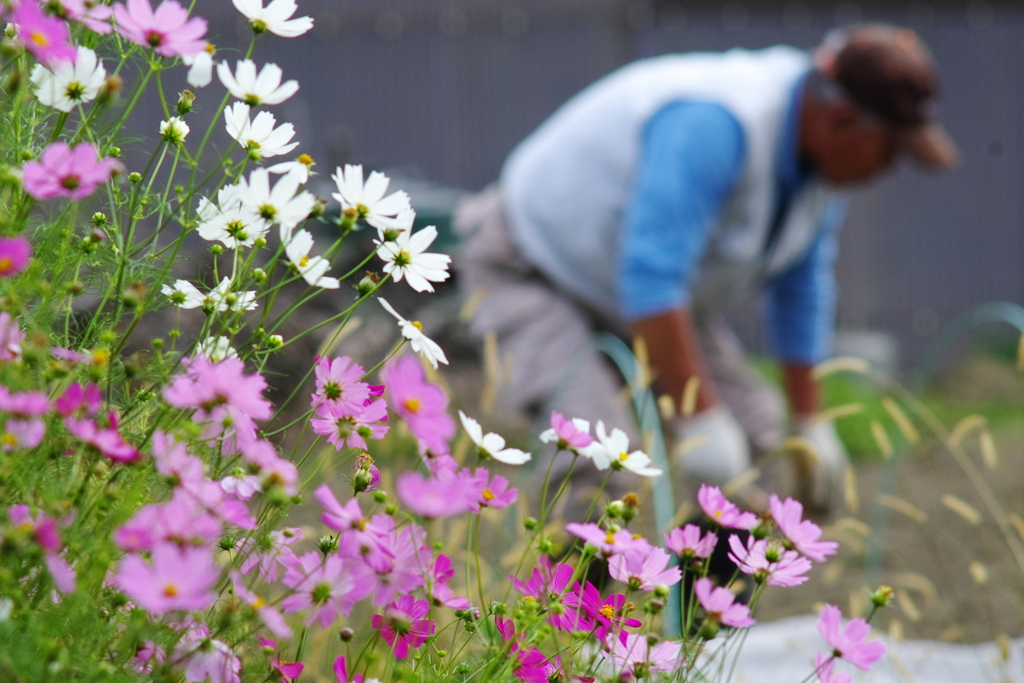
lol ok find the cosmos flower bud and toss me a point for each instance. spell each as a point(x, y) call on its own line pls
point(186, 100)
point(882, 597)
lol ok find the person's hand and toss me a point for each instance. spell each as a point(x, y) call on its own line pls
point(710, 447)
point(821, 463)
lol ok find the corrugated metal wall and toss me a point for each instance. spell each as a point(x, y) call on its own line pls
point(445, 89)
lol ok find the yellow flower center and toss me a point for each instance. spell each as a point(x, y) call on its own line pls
point(417, 324)
point(412, 405)
point(6, 265)
point(170, 590)
point(610, 538)
point(39, 39)
point(305, 160)
point(623, 457)
point(608, 611)
point(303, 262)
point(718, 513)
point(9, 439)
point(258, 603)
point(488, 495)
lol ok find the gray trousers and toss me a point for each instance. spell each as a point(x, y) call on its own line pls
point(545, 338)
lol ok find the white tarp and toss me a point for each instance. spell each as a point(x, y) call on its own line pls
point(783, 652)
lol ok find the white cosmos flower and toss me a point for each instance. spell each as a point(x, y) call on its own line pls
point(69, 84)
point(174, 130)
point(256, 89)
point(229, 221)
point(420, 343)
point(216, 349)
point(183, 294)
point(492, 445)
point(301, 167)
point(223, 299)
point(258, 137)
point(406, 257)
point(200, 73)
point(367, 199)
point(275, 17)
point(312, 268)
point(283, 204)
point(612, 450)
point(389, 228)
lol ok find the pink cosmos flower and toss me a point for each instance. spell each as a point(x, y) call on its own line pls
point(288, 671)
point(403, 624)
point(634, 655)
point(91, 13)
point(168, 30)
point(607, 614)
point(823, 668)
point(495, 494)
point(180, 521)
point(531, 666)
point(15, 253)
point(45, 37)
point(688, 544)
point(45, 534)
point(269, 552)
point(24, 403)
point(11, 338)
point(224, 397)
point(850, 643)
point(274, 470)
point(349, 520)
point(78, 401)
point(607, 543)
point(267, 614)
point(207, 385)
point(435, 498)
point(63, 171)
point(421, 404)
point(572, 435)
point(177, 579)
point(22, 435)
point(801, 533)
point(411, 558)
point(720, 605)
point(106, 440)
point(325, 587)
point(339, 386)
point(172, 460)
point(203, 659)
point(644, 571)
point(437, 581)
point(548, 585)
point(722, 511)
point(769, 562)
point(341, 672)
point(350, 429)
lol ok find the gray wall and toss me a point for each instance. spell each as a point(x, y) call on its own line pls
point(445, 89)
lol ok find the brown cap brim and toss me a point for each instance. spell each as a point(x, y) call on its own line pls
point(930, 146)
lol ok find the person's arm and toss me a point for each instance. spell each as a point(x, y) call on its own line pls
point(675, 356)
point(801, 314)
point(692, 154)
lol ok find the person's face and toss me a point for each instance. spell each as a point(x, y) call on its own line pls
point(855, 149)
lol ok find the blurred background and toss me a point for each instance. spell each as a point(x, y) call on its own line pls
point(439, 91)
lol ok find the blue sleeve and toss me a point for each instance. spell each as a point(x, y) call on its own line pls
point(801, 301)
point(691, 155)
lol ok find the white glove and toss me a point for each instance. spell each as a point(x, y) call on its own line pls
point(710, 447)
point(822, 470)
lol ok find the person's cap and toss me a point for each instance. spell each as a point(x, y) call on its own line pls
point(890, 73)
